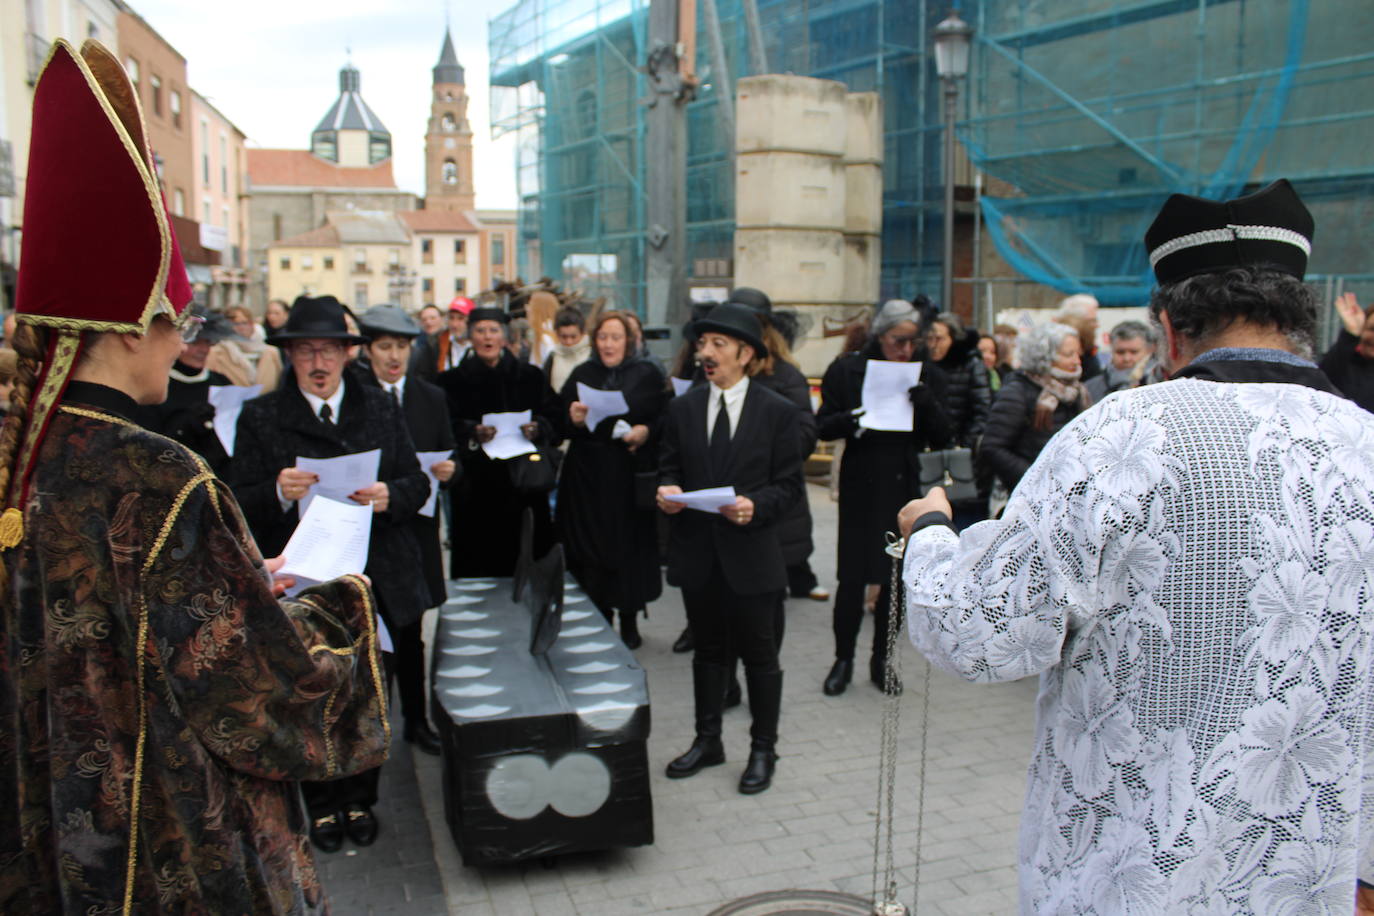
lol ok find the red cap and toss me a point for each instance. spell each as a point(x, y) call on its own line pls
point(462, 304)
point(92, 189)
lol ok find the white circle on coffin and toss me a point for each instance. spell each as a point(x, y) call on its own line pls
point(477, 586)
point(466, 616)
point(608, 715)
point(570, 616)
point(518, 786)
point(474, 690)
point(584, 648)
point(464, 671)
point(593, 668)
point(579, 785)
point(575, 632)
point(477, 633)
point(469, 650)
point(463, 599)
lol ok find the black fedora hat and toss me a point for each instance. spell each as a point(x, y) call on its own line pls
point(387, 319)
point(317, 318)
point(734, 320)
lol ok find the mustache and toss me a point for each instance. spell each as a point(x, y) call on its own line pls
point(708, 363)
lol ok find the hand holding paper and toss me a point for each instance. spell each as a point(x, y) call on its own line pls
point(709, 500)
point(885, 399)
point(509, 441)
point(341, 477)
point(601, 404)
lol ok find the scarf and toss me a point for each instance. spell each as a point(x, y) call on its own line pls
point(1057, 387)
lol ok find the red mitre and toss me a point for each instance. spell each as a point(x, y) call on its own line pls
point(98, 250)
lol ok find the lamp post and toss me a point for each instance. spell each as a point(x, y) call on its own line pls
point(951, 39)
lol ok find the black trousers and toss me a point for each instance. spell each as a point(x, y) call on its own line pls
point(407, 664)
point(800, 579)
point(726, 625)
point(849, 617)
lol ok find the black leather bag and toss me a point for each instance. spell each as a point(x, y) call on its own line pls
point(951, 468)
point(533, 473)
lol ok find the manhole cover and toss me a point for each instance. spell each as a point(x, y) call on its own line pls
point(797, 903)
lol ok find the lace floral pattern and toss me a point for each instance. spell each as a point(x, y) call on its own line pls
point(1189, 568)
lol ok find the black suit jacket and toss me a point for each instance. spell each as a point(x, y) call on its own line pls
point(275, 429)
point(765, 465)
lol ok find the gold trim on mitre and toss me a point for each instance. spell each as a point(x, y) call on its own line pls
point(110, 86)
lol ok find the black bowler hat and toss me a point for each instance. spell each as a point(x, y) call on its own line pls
point(318, 318)
point(1192, 235)
point(734, 320)
point(755, 299)
point(486, 313)
point(387, 319)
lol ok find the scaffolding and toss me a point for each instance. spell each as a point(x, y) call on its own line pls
point(1082, 115)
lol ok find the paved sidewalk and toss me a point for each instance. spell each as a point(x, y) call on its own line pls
point(813, 829)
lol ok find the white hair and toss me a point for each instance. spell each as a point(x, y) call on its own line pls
point(1037, 347)
point(1079, 305)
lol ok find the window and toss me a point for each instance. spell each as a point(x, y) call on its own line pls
point(155, 84)
point(92, 30)
point(498, 249)
point(205, 152)
point(174, 105)
point(448, 123)
point(460, 255)
point(427, 284)
point(179, 202)
point(460, 286)
point(284, 263)
point(393, 257)
point(359, 296)
point(328, 262)
point(205, 212)
point(224, 163)
point(276, 226)
point(307, 262)
point(131, 68)
point(450, 172)
point(427, 251)
point(360, 260)
point(224, 215)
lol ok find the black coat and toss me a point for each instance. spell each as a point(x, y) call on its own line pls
point(1011, 442)
point(765, 466)
point(606, 537)
point(880, 470)
point(188, 417)
point(485, 534)
point(794, 530)
point(1349, 371)
point(277, 428)
point(426, 412)
point(968, 391)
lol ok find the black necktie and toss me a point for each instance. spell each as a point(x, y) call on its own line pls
point(327, 415)
point(395, 398)
point(720, 440)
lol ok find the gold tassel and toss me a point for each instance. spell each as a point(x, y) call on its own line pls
point(11, 528)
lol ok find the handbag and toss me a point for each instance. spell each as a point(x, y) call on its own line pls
point(533, 473)
point(951, 468)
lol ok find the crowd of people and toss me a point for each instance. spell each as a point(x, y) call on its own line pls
point(1186, 564)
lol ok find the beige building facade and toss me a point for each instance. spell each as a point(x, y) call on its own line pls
point(220, 176)
point(446, 251)
point(361, 258)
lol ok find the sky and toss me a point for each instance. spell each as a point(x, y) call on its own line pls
point(272, 67)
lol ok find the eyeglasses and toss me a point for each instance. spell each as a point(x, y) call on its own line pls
point(186, 324)
point(326, 354)
point(902, 341)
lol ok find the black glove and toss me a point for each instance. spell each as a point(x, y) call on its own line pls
point(920, 395)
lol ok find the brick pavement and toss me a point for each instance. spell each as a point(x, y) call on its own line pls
point(813, 829)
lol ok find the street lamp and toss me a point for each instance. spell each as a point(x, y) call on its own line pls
point(951, 39)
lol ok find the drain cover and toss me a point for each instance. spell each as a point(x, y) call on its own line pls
point(797, 903)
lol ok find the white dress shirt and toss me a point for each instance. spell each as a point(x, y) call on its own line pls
point(398, 387)
point(734, 403)
point(457, 349)
point(335, 402)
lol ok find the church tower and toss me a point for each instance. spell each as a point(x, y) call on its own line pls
point(448, 142)
point(350, 134)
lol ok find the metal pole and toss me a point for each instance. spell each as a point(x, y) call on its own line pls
point(665, 169)
point(947, 286)
point(758, 57)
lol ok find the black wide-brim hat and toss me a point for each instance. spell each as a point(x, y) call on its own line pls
point(734, 320)
point(755, 299)
point(217, 326)
point(1192, 235)
point(317, 318)
point(387, 320)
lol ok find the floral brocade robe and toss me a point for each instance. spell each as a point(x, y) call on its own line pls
point(150, 680)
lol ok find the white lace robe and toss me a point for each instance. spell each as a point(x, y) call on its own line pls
point(1189, 567)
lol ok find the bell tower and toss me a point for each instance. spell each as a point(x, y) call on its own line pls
point(448, 142)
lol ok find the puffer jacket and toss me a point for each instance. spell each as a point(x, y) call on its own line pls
point(968, 391)
point(1011, 443)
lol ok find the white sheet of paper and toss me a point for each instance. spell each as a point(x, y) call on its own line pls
point(681, 385)
point(340, 477)
point(509, 441)
point(885, 400)
point(709, 500)
point(330, 540)
point(601, 404)
point(228, 403)
point(427, 460)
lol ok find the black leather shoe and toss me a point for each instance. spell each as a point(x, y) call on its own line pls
point(704, 752)
point(327, 833)
point(733, 694)
point(877, 674)
point(839, 677)
point(629, 630)
point(423, 737)
point(758, 773)
point(685, 642)
point(361, 824)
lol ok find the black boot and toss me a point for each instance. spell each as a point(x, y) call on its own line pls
point(629, 630)
point(765, 703)
point(708, 688)
point(839, 677)
point(877, 672)
point(733, 695)
point(685, 642)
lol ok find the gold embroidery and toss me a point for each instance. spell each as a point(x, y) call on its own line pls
point(96, 415)
point(316, 650)
point(54, 379)
point(11, 528)
point(331, 765)
point(370, 618)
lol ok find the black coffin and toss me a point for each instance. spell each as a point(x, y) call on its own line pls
point(543, 754)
